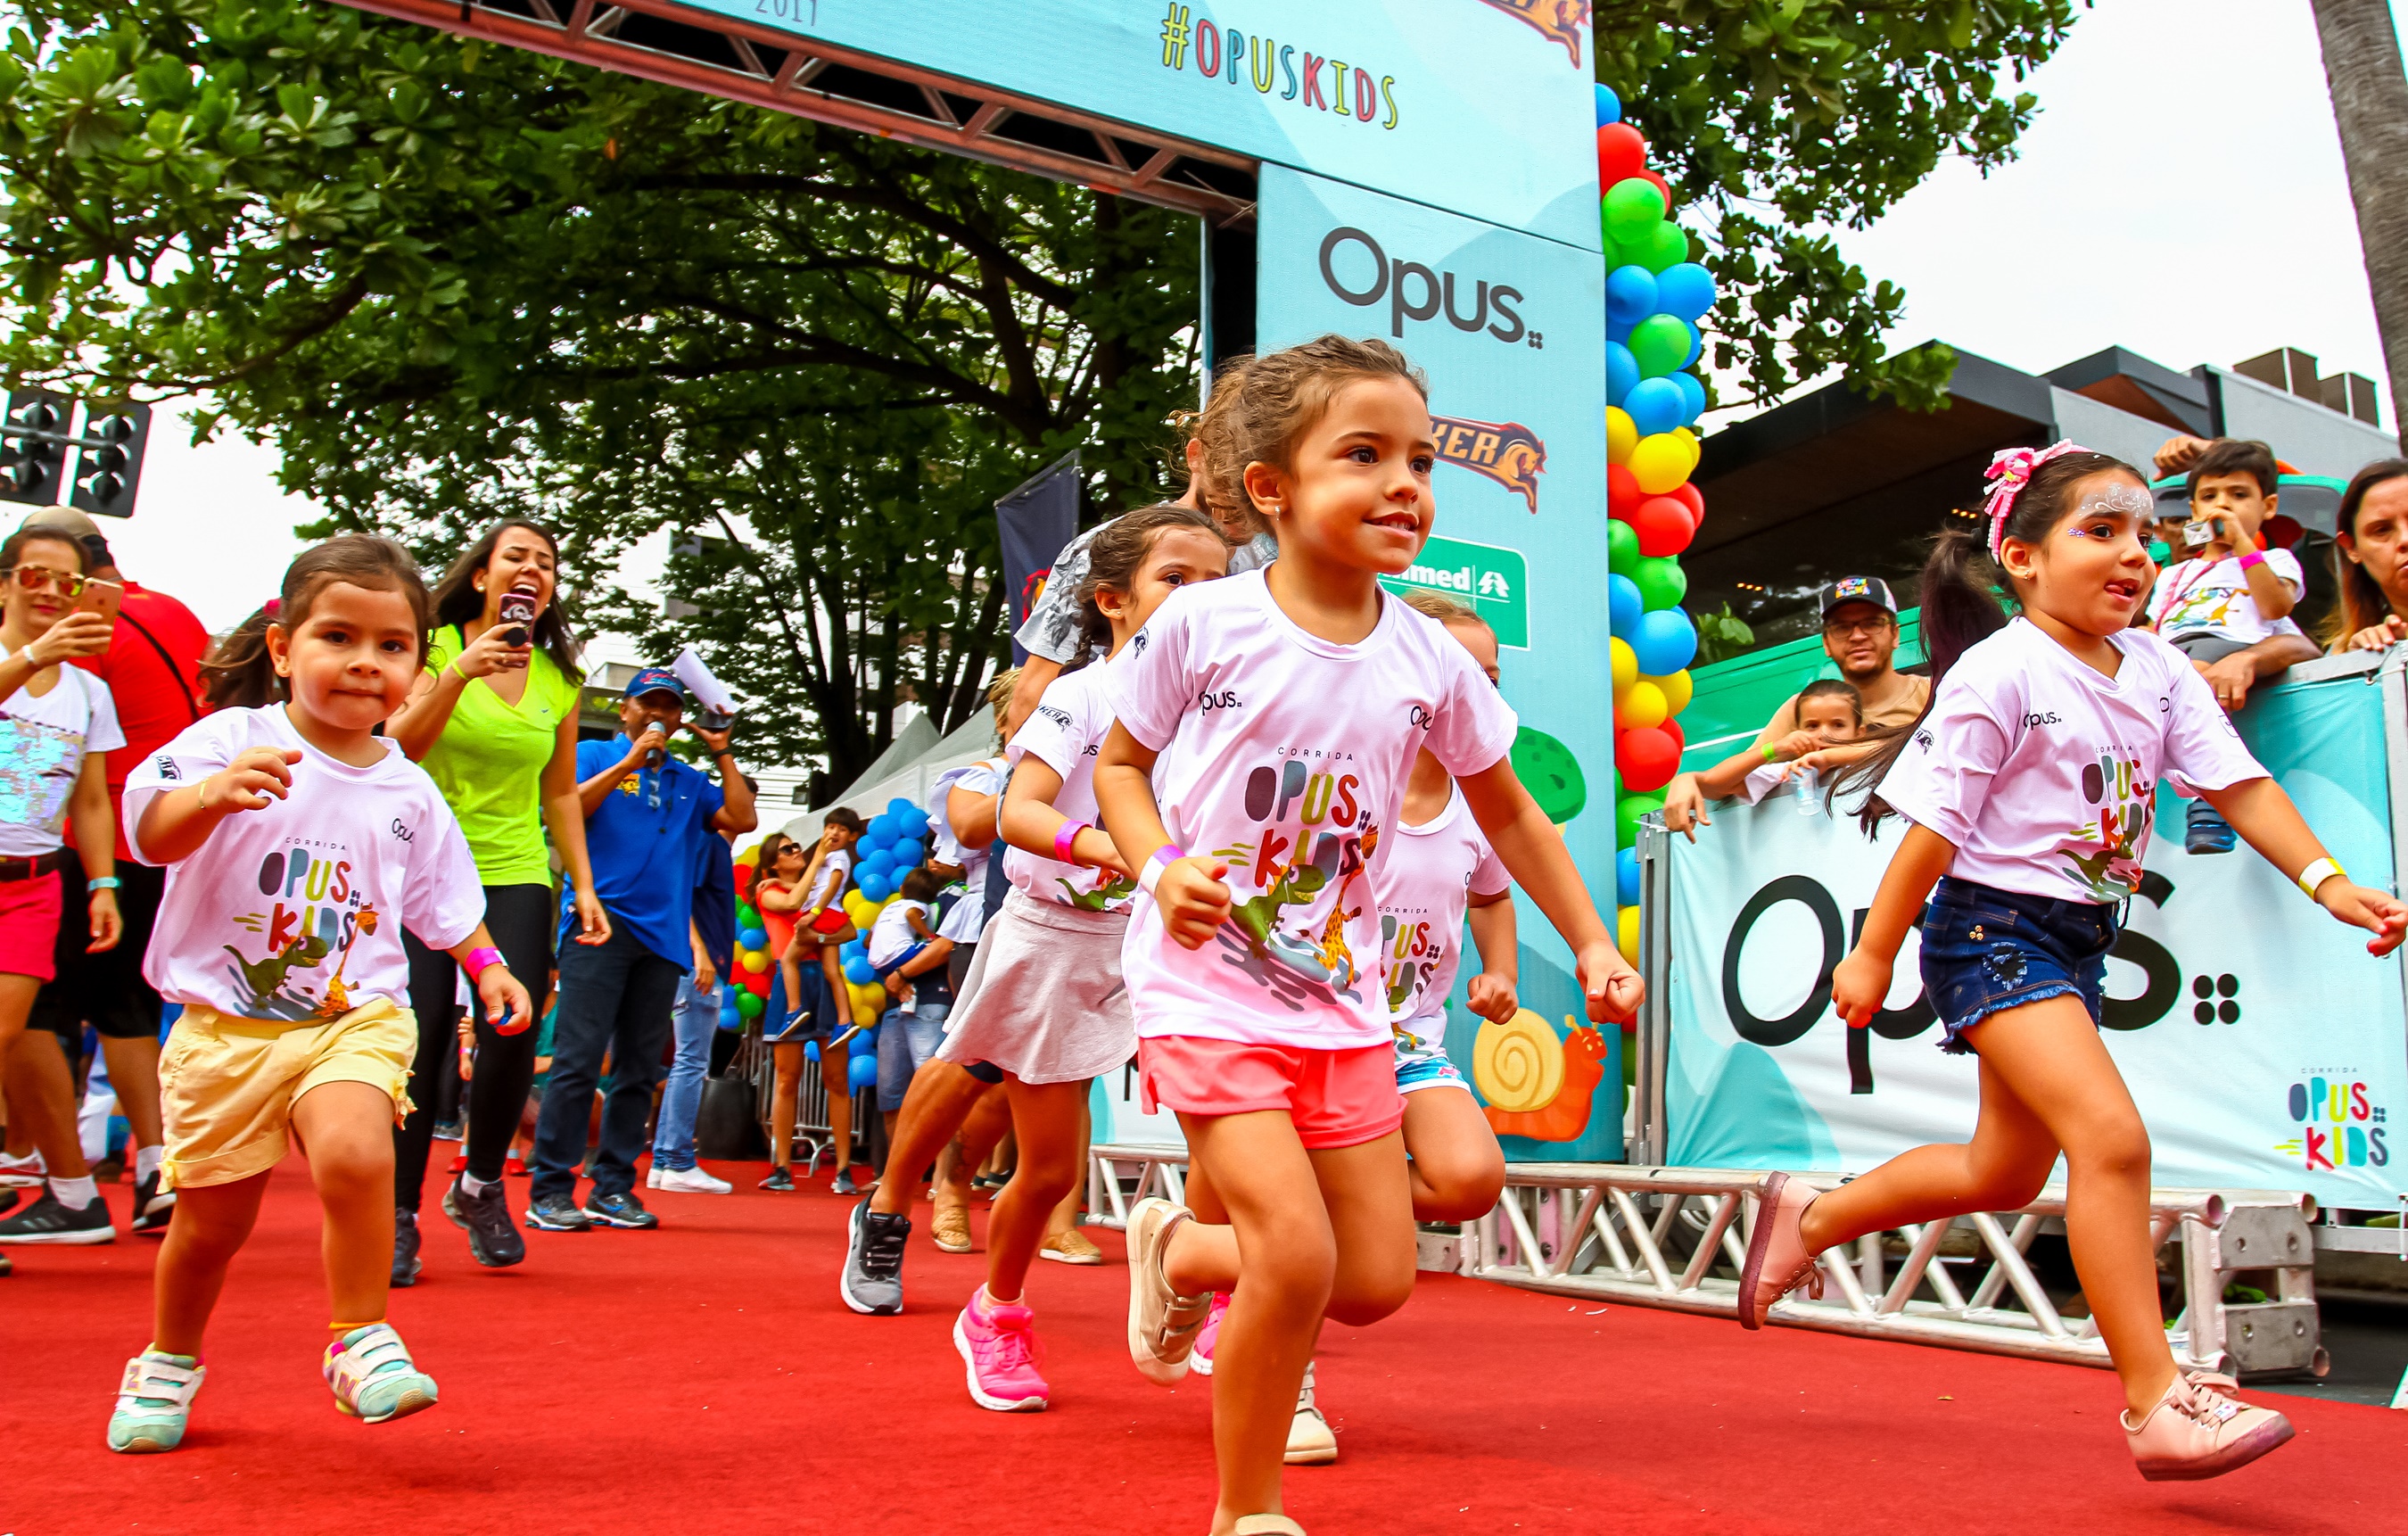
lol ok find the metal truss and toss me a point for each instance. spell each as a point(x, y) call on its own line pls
point(1150, 1171)
point(672, 44)
point(1675, 1237)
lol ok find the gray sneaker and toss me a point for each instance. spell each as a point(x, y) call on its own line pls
point(405, 1262)
point(557, 1214)
point(494, 1238)
point(872, 1279)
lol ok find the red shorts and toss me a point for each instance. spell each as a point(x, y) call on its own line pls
point(29, 926)
point(1337, 1099)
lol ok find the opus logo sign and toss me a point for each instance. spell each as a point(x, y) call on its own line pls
point(1358, 270)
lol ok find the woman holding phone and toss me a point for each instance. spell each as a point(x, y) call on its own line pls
point(494, 722)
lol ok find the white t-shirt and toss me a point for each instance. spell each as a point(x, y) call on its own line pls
point(2193, 598)
point(2044, 773)
point(1052, 630)
point(295, 911)
point(1284, 757)
point(43, 742)
point(836, 867)
point(1433, 871)
point(891, 935)
point(1065, 732)
point(968, 919)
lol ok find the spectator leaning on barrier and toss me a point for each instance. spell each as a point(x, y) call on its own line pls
point(646, 814)
point(2372, 614)
point(1859, 634)
point(152, 669)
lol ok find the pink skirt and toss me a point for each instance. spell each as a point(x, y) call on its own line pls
point(29, 926)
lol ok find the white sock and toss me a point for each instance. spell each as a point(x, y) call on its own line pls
point(471, 1184)
point(74, 1194)
point(145, 1161)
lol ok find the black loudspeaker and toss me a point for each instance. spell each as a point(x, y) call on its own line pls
point(726, 1131)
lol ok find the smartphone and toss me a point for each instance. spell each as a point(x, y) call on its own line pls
point(518, 611)
point(2198, 533)
point(714, 720)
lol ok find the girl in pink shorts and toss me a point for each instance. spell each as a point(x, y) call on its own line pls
point(1266, 728)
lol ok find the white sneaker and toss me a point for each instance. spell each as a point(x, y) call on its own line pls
point(689, 1181)
point(25, 1173)
point(1309, 1440)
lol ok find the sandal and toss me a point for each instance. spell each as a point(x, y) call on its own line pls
point(1268, 1525)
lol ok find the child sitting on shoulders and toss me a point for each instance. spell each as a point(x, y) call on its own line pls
point(902, 935)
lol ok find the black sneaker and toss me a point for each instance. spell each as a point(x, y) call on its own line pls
point(556, 1213)
point(493, 1238)
point(405, 1262)
point(779, 1180)
point(47, 1221)
point(451, 1130)
point(621, 1210)
point(844, 1184)
point(152, 1209)
point(872, 1277)
point(9, 1198)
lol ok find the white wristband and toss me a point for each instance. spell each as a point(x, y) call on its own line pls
point(2317, 874)
point(1162, 859)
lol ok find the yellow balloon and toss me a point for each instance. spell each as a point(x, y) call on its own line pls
point(1659, 463)
point(1627, 926)
point(865, 1016)
point(1621, 435)
point(1641, 705)
point(750, 856)
point(1695, 450)
point(1625, 663)
point(860, 908)
point(1676, 690)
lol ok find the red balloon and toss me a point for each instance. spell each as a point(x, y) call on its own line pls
point(1688, 495)
point(757, 982)
point(1680, 738)
point(1622, 492)
point(1662, 524)
point(1646, 758)
point(1620, 152)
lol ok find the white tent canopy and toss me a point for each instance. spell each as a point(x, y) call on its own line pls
point(909, 769)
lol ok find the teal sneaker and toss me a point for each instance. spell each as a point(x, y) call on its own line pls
point(373, 1377)
point(152, 1403)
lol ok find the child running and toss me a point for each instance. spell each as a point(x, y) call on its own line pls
point(299, 845)
point(1045, 1002)
point(1266, 728)
point(2029, 785)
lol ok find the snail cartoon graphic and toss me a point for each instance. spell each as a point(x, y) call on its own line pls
point(1537, 1084)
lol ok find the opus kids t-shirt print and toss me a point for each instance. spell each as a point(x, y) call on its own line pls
point(1432, 873)
point(2044, 772)
point(1065, 732)
point(302, 902)
point(1284, 757)
point(43, 743)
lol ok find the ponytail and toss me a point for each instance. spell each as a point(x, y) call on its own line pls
point(237, 674)
point(1958, 609)
point(1115, 553)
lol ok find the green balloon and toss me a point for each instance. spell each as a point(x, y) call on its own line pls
point(746, 917)
point(1550, 772)
point(748, 1004)
point(1665, 245)
point(1633, 207)
point(1622, 554)
point(1661, 582)
point(1660, 344)
point(1627, 812)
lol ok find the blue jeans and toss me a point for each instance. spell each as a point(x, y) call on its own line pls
point(695, 1017)
point(906, 1040)
point(614, 997)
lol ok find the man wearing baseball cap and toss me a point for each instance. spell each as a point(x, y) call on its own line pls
point(646, 814)
point(1860, 635)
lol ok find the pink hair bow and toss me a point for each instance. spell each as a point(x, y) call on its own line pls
point(2011, 470)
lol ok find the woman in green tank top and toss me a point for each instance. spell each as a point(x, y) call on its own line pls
point(494, 722)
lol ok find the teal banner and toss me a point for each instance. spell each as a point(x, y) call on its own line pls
point(1483, 105)
point(2265, 1048)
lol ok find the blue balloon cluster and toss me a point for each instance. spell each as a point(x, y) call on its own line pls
point(861, 1067)
point(895, 843)
point(731, 1018)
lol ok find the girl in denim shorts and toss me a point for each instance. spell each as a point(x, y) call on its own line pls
point(2029, 784)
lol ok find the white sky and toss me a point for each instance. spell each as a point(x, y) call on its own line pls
point(2181, 194)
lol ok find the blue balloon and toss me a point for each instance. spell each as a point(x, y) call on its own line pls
point(1630, 294)
point(1621, 372)
point(1655, 405)
point(1696, 346)
point(900, 808)
point(853, 949)
point(917, 818)
point(1626, 878)
point(878, 834)
point(1685, 289)
point(1623, 606)
point(877, 861)
point(911, 855)
point(877, 887)
point(861, 1069)
point(811, 1050)
point(731, 1018)
point(1665, 641)
point(1618, 331)
point(1609, 105)
point(1693, 396)
point(752, 938)
point(857, 971)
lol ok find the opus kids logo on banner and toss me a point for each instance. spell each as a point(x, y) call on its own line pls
point(1316, 83)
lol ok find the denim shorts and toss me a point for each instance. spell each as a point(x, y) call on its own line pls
point(1985, 949)
point(1421, 1057)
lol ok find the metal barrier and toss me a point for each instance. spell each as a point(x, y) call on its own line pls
point(1150, 1170)
point(1675, 1237)
point(814, 1134)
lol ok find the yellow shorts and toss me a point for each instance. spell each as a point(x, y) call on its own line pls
point(226, 1085)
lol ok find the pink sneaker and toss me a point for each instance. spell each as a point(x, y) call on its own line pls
point(2199, 1429)
point(1200, 1360)
point(998, 1340)
point(1777, 1260)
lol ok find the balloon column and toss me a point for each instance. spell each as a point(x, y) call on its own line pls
point(1656, 297)
point(894, 844)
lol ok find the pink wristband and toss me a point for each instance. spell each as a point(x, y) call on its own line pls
point(1064, 835)
point(1162, 858)
point(2255, 557)
point(480, 958)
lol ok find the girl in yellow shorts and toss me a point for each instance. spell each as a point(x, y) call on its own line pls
point(298, 844)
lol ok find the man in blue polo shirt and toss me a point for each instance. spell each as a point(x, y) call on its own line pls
point(646, 814)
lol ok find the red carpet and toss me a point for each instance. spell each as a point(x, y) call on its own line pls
point(704, 1377)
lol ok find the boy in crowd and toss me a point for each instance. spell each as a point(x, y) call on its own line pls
point(2228, 594)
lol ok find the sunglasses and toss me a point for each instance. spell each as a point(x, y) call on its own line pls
point(35, 578)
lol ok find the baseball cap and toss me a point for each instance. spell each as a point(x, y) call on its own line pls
point(652, 680)
point(74, 525)
point(1854, 589)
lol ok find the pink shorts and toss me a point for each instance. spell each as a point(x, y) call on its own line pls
point(1337, 1099)
point(29, 926)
